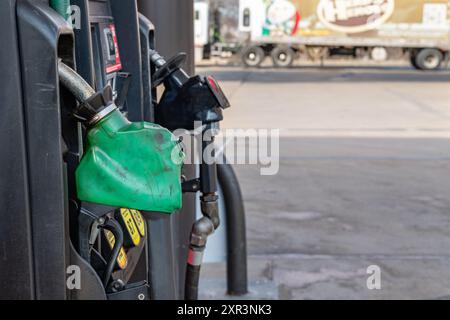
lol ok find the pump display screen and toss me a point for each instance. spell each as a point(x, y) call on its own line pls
point(111, 53)
point(107, 56)
point(105, 45)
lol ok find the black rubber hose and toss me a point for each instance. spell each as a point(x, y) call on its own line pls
point(237, 281)
point(74, 83)
point(115, 228)
point(192, 281)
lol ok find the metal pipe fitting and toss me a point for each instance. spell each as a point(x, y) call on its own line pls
point(201, 230)
point(157, 59)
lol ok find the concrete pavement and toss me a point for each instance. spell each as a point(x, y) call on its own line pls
point(363, 180)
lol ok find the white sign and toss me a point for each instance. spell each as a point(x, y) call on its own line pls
point(354, 16)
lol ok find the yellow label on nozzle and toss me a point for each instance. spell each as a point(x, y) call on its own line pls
point(122, 259)
point(131, 227)
point(140, 223)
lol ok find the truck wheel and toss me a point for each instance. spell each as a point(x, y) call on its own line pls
point(379, 54)
point(429, 59)
point(253, 56)
point(282, 57)
point(412, 58)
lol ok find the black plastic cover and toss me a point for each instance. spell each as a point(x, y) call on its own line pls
point(87, 110)
point(180, 108)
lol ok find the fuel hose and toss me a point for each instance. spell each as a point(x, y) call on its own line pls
point(205, 226)
point(115, 228)
point(74, 83)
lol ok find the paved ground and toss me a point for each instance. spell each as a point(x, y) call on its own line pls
point(364, 180)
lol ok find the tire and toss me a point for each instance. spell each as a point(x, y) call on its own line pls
point(379, 54)
point(412, 59)
point(253, 56)
point(282, 57)
point(429, 59)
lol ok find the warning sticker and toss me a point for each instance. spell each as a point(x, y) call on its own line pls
point(128, 221)
point(140, 223)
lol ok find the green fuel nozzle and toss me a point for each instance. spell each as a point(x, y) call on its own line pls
point(126, 164)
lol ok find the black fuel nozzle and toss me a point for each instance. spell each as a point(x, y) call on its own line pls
point(186, 100)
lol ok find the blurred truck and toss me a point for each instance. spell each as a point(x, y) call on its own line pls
point(216, 28)
point(375, 29)
point(201, 29)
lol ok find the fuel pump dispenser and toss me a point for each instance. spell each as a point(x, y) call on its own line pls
point(132, 165)
point(101, 166)
point(146, 176)
point(108, 176)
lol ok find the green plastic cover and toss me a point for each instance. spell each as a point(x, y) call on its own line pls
point(131, 165)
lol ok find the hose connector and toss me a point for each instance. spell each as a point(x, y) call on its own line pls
point(94, 106)
point(201, 230)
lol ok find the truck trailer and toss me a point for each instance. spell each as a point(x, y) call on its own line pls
point(375, 29)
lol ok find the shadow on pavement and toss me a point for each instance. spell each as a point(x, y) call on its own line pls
point(327, 74)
